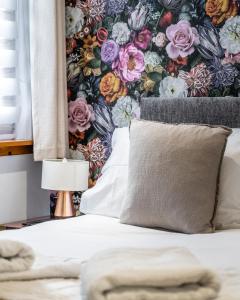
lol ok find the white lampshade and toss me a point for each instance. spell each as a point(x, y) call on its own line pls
point(65, 175)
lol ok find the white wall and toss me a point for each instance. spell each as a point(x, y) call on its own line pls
point(21, 195)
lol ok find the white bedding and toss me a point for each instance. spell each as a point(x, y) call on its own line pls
point(80, 238)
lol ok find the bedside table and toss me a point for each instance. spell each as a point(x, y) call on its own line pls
point(25, 223)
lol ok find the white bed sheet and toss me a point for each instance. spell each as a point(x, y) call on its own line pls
point(80, 238)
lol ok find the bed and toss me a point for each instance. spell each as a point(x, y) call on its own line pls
point(77, 239)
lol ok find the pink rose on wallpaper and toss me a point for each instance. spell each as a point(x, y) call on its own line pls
point(80, 114)
point(130, 63)
point(182, 39)
point(143, 39)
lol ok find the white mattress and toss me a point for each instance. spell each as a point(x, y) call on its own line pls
point(80, 238)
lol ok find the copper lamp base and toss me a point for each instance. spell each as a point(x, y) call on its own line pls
point(64, 207)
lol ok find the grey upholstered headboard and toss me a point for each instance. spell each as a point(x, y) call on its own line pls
point(213, 111)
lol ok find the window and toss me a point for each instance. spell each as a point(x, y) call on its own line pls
point(15, 91)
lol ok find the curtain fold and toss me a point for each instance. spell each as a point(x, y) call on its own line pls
point(48, 78)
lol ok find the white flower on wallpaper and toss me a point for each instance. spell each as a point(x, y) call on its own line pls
point(138, 17)
point(171, 87)
point(121, 33)
point(74, 20)
point(124, 111)
point(152, 58)
point(230, 35)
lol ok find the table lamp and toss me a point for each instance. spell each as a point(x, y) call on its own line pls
point(65, 176)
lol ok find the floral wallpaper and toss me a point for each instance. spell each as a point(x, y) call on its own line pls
point(120, 50)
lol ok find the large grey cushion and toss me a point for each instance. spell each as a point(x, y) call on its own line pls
point(214, 111)
point(173, 175)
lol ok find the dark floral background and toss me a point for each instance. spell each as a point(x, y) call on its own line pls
point(120, 50)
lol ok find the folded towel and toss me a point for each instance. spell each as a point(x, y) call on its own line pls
point(24, 277)
point(15, 256)
point(61, 270)
point(18, 263)
point(149, 274)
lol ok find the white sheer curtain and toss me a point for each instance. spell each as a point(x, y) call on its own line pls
point(15, 98)
point(24, 122)
point(48, 78)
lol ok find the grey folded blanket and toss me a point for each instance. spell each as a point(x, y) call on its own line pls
point(153, 274)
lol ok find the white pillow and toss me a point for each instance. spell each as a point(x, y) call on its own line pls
point(228, 210)
point(106, 197)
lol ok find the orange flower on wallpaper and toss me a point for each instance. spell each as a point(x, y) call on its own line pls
point(112, 88)
point(90, 42)
point(220, 10)
point(87, 63)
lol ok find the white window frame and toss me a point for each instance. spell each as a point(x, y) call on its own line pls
point(15, 83)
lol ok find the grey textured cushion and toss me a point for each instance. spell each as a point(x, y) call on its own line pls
point(214, 111)
point(173, 175)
